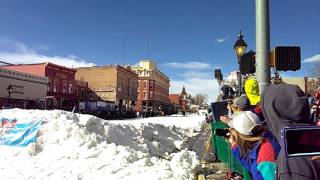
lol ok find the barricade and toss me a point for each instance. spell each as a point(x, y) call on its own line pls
point(222, 151)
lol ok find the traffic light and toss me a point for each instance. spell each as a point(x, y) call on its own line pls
point(247, 63)
point(227, 92)
point(285, 58)
point(218, 75)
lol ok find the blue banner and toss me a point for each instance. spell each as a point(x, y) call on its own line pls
point(15, 132)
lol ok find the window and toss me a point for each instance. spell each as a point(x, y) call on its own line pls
point(64, 88)
point(145, 95)
point(130, 90)
point(55, 85)
point(145, 84)
point(49, 85)
point(70, 87)
point(119, 88)
point(82, 93)
point(76, 91)
point(151, 94)
point(151, 84)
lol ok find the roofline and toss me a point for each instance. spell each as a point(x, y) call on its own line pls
point(117, 67)
point(6, 63)
point(25, 64)
point(44, 63)
point(164, 74)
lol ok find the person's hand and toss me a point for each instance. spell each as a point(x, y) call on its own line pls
point(229, 107)
point(315, 158)
point(224, 119)
point(231, 139)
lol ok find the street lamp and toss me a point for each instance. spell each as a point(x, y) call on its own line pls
point(240, 47)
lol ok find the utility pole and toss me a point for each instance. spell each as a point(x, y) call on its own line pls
point(124, 53)
point(262, 44)
point(148, 53)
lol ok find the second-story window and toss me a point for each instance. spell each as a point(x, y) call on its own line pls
point(64, 87)
point(145, 95)
point(55, 85)
point(145, 84)
point(130, 90)
point(49, 84)
point(70, 87)
point(76, 91)
point(151, 84)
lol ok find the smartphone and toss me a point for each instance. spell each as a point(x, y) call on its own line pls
point(222, 132)
point(301, 141)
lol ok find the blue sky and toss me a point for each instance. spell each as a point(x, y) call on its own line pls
point(187, 38)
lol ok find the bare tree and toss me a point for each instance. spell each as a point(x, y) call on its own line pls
point(315, 72)
point(200, 99)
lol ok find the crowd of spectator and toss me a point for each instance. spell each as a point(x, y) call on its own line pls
point(255, 122)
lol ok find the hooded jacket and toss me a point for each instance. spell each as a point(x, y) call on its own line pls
point(283, 106)
point(251, 88)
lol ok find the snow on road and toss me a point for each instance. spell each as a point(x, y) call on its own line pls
point(75, 146)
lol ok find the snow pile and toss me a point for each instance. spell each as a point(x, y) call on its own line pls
point(74, 146)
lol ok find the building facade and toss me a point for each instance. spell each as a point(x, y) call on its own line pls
point(62, 89)
point(180, 99)
point(307, 84)
point(22, 90)
point(111, 84)
point(153, 89)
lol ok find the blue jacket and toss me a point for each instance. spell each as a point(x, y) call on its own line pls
point(262, 170)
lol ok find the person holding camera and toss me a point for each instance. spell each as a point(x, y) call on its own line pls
point(284, 106)
point(255, 148)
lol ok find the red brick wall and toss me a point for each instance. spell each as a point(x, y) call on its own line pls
point(61, 74)
point(160, 93)
point(36, 69)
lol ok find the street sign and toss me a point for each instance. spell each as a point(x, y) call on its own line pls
point(15, 89)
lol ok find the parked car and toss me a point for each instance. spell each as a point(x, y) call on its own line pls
point(203, 112)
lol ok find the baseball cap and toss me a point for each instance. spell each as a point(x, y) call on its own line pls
point(244, 122)
point(242, 102)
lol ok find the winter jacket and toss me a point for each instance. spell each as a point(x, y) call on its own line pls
point(252, 91)
point(261, 160)
point(283, 106)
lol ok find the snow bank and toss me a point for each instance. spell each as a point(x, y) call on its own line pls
point(75, 146)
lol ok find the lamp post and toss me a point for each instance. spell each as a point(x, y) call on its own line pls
point(240, 48)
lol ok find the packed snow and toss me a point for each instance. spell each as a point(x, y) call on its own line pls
point(76, 146)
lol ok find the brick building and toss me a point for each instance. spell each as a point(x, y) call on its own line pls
point(111, 84)
point(153, 89)
point(180, 99)
point(307, 84)
point(22, 90)
point(62, 89)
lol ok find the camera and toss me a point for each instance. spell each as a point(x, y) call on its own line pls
point(300, 141)
point(222, 132)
